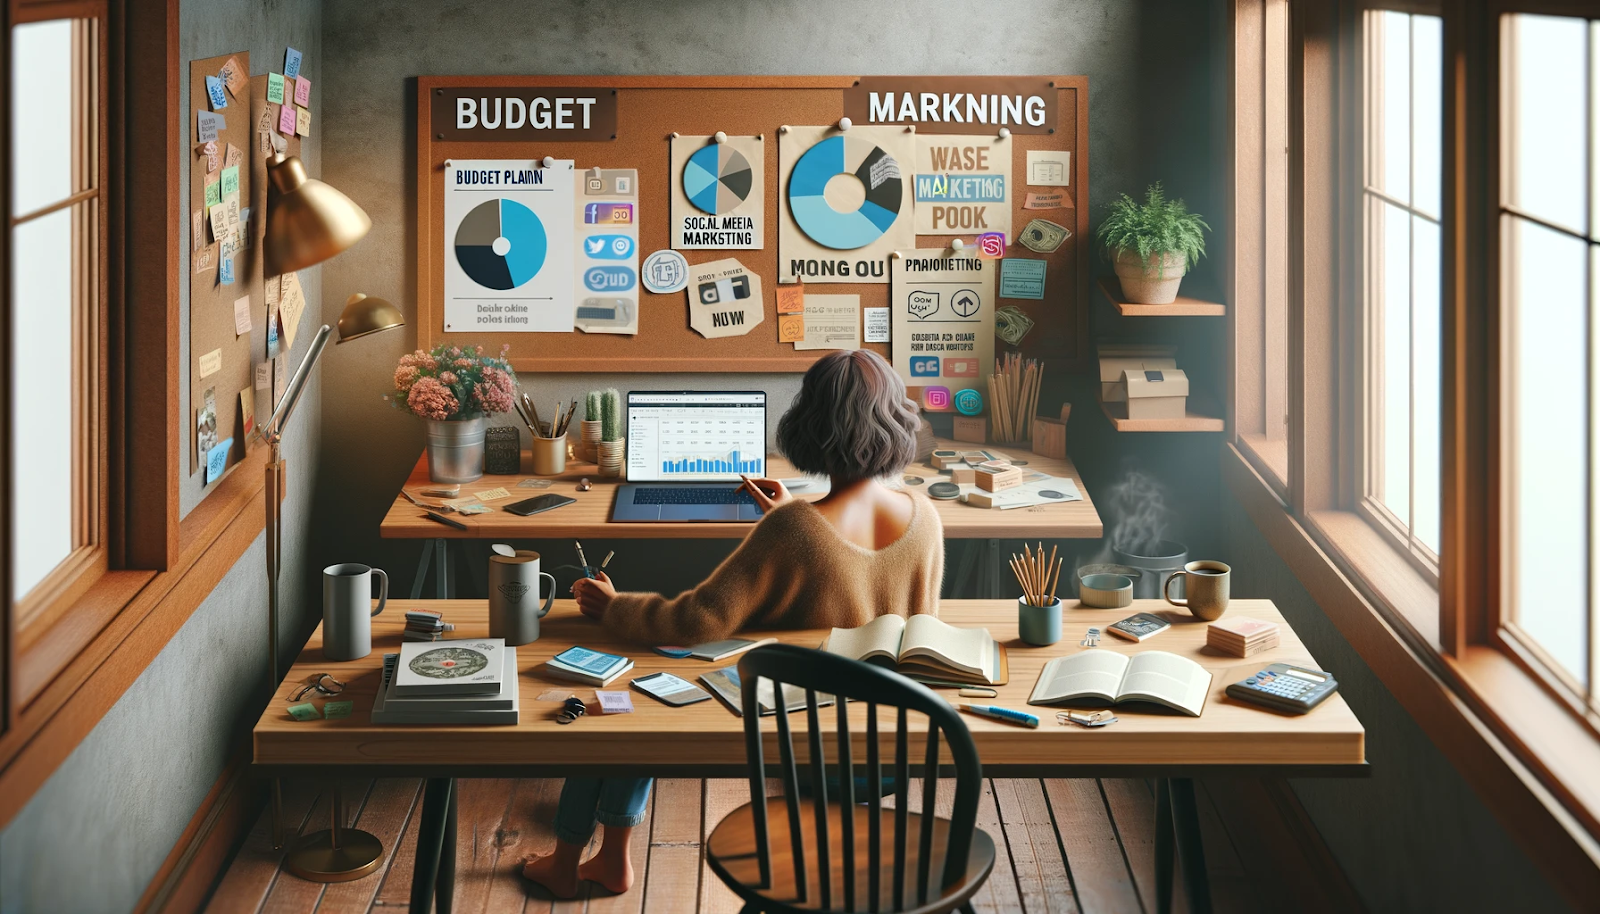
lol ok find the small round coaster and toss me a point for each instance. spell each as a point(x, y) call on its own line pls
point(910, 480)
point(944, 491)
point(1051, 493)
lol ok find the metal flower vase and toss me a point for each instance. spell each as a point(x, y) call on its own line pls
point(455, 449)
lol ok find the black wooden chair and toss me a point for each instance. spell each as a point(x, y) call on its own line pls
point(781, 860)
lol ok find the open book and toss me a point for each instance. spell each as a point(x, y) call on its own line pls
point(923, 647)
point(1108, 676)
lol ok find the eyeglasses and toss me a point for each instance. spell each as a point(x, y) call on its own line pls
point(326, 686)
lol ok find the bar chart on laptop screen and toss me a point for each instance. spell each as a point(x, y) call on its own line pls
point(686, 441)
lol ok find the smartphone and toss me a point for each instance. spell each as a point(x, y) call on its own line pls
point(538, 503)
point(670, 689)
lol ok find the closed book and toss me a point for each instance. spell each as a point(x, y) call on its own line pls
point(563, 671)
point(464, 667)
point(721, 650)
point(503, 708)
point(429, 627)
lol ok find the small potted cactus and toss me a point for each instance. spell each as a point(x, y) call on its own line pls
point(609, 452)
point(589, 431)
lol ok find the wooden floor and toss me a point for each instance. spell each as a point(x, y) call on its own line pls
point(1064, 846)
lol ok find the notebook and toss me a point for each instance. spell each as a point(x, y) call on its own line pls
point(923, 647)
point(471, 666)
point(721, 650)
point(581, 664)
point(725, 684)
point(1107, 676)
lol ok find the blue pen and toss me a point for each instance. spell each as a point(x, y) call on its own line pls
point(584, 562)
point(1005, 714)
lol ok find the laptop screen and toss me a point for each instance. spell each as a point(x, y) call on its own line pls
point(692, 436)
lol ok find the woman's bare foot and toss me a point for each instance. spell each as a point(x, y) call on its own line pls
point(612, 867)
point(558, 873)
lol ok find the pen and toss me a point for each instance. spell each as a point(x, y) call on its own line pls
point(440, 518)
point(607, 560)
point(1005, 714)
point(582, 561)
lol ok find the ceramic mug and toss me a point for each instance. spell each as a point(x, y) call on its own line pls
point(514, 610)
point(347, 609)
point(1206, 584)
point(1039, 626)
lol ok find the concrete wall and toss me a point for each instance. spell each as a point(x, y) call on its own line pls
point(94, 835)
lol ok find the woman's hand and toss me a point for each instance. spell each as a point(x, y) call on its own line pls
point(767, 493)
point(594, 595)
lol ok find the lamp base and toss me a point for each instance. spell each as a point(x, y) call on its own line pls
point(317, 860)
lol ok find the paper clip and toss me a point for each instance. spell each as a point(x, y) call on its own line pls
point(1094, 719)
point(1092, 639)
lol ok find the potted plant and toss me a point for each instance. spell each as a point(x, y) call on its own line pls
point(609, 450)
point(454, 389)
point(1152, 244)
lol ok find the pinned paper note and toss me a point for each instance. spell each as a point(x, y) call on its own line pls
point(724, 299)
point(791, 328)
point(213, 193)
point(286, 120)
point(213, 158)
point(275, 88)
point(337, 710)
point(241, 316)
point(247, 416)
point(271, 286)
point(234, 77)
point(875, 325)
point(274, 321)
point(302, 91)
point(291, 304)
point(205, 259)
point(263, 375)
point(1049, 167)
point(217, 460)
point(302, 122)
point(1044, 201)
point(305, 711)
point(197, 230)
point(205, 422)
point(217, 94)
point(291, 62)
point(230, 181)
point(234, 157)
point(210, 363)
point(209, 123)
point(1021, 278)
point(492, 494)
point(219, 222)
point(832, 322)
point(791, 297)
point(225, 271)
point(280, 379)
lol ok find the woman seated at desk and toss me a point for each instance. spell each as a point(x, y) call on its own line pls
point(862, 551)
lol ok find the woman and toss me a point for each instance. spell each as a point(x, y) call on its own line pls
point(859, 552)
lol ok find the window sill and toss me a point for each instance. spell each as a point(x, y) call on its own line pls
point(1269, 454)
point(1536, 774)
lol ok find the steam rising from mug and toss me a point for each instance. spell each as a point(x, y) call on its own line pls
point(1137, 508)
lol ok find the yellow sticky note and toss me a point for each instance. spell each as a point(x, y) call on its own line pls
point(211, 363)
point(302, 122)
point(492, 494)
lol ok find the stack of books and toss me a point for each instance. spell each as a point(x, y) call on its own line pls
point(580, 664)
point(1242, 636)
point(423, 625)
point(454, 682)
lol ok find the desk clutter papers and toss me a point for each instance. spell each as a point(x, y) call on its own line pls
point(921, 646)
point(581, 664)
point(1036, 489)
point(614, 702)
point(725, 684)
point(499, 705)
point(424, 625)
point(722, 650)
point(1107, 676)
point(1242, 636)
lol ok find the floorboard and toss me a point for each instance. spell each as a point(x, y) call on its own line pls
point(1099, 872)
point(1035, 854)
point(384, 815)
point(672, 885)
point(254, 868)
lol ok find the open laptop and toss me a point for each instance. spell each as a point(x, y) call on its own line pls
point(686, 451)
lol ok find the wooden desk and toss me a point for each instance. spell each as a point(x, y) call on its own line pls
point(706, 740)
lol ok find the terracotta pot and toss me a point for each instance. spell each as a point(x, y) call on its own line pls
point(1153, 285)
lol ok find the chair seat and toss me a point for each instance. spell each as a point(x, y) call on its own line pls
point(731, 852)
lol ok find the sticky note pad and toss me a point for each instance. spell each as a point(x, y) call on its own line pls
point(217, 94)
point(302, 92)
point(303, 712)
point(291, 62)
point(217, 461)
point(302, 122)
point(230, 181)
point(473, 509)
point(286, 120)
point(213, 193)
point(208, 123)
point(225, 271)
point(275, 88)
point(335, 710)
point(210, 363)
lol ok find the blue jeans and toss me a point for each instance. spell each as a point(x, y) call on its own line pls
point(612, 802)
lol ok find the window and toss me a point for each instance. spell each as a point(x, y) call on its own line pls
point(57, 312)
point(1402, 96)
point(1549, 207)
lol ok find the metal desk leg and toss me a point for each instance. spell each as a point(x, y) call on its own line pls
point(444, 891)
point(423, 561)
point(442, 590)
point(1164, 846)
point(991, 570)
point(968, 552)
point(1186, 826)
point(437, 806)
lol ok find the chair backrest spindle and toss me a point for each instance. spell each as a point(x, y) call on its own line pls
point(791, 791)
point(819, 799)
point(847, 801)
point(875, 821)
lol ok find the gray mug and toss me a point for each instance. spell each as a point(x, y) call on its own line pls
point(514, 610)
point(347, 609)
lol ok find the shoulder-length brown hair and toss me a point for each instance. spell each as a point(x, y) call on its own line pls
point(851, 419)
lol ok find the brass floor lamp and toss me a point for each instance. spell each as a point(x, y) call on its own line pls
point(307, 223)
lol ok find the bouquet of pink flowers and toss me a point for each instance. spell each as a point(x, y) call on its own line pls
point(454, 382)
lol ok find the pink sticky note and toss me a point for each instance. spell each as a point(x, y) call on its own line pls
point(302, 91)
point(286, 120)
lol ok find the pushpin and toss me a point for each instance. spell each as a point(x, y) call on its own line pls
point(449, 163)
point(549, 161)
point(911, 128)
point(957, 244)
point(720, 137)
point(1005, 132)
point(675, 134)
point(896, 254)
point(783, 128)
point(844, 123)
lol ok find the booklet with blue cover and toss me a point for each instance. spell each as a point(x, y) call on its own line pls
point(585, 665)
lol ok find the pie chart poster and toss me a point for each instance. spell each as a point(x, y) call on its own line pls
point(718, 193)
point(845, 203)
point(508, 258)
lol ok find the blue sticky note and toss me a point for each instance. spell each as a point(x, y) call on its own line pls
point(291, 63)
point(225, 271)
point(1021, 278)
point(219, 96)
point(217, 460)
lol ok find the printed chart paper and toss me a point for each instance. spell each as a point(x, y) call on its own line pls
point(842, 231)
point(1049, 167)
point(718, 198)
point(508, 255)
point(943, 318)
point(608, 251)
point(832, 322)
point(963, 185)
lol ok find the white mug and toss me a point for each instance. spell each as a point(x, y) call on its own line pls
point(347, 609)
point(514, 610)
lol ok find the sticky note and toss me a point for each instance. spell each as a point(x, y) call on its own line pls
point(1044, 201)
point(1021, 278)
point(213, 158)
point(272, 284)
point(286, 120)
point(217, 460)
point(213, 193)
point(336, 710)
point(230, 181)
point(263, 375)
point(225, 271)
point(303, 712)
point(234, 77)
point(217, 94)
point(791, 298)
point(291, 62)
point(209, 123)
point(791, 328)
point(235, 157)
point(210, 363)
point(219, 222)
point(492, 494)
point(473, 509)
point(241, 316)
point(302, 122)
point(875, 325)
point(614, 702)
point(302, 92)
point(275, 88)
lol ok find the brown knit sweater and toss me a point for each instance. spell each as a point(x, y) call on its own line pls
point(795, 571)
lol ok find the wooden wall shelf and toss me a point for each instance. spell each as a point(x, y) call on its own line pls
point(1204, 416)
point(1182, 306)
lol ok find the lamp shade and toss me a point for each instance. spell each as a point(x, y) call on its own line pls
point(307, 221)
point(363, 315)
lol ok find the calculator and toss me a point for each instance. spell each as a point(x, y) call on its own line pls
point(1288, 688)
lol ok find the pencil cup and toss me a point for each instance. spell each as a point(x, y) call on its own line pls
point(1039, 626)
point(514, 607)
point(549, 456)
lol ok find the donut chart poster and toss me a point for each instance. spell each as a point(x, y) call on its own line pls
point(718, 193)
point(508, 251)
point(835, 229)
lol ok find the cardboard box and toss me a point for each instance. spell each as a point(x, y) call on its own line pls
point(972, 429)
point(1049, 438)
point(994, 479)
point(1156, 393)
point(963, 475)
point(1116, 359)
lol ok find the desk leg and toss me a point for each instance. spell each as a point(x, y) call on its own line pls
point(1186, 826)
point(444, 892)
point(1164, 846)
point(442, 591)
point(437, 805)
point(423, 561)
point(968, 552)
point(991, 571)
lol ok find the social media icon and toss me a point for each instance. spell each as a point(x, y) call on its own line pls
point(926, 366)
point(936, 397)
point(608, 213)
point(608, 247)
point(992, 244)
point(961, 368)
point(608, 279)
point(969, 402)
